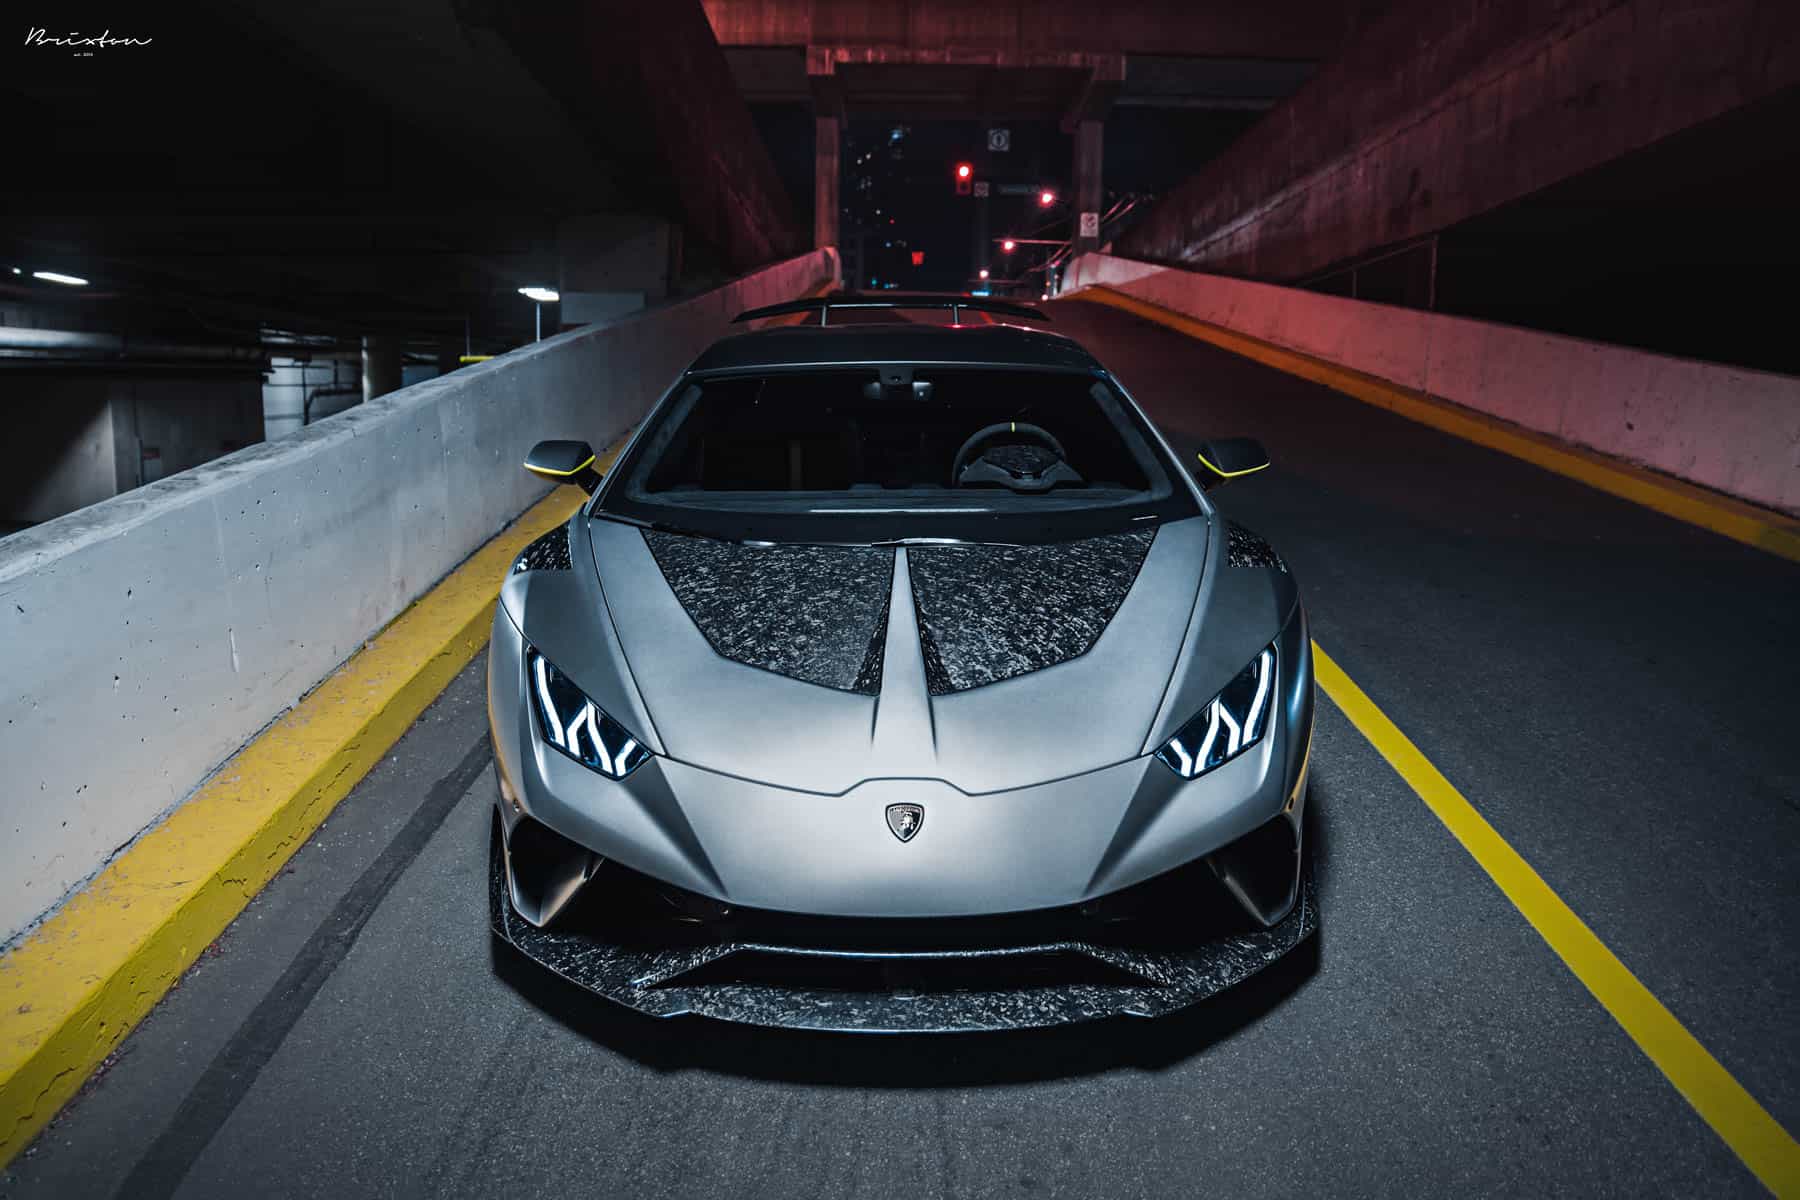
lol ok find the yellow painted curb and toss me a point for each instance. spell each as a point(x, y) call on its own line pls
point(1747, 523)
point(72, 990)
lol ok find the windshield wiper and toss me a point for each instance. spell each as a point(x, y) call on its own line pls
point(939, 541)
point(658, 526)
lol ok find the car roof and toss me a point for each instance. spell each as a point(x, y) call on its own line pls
point(982, 345)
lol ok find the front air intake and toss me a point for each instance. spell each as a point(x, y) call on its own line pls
point(544, 870)
point(1261, 870)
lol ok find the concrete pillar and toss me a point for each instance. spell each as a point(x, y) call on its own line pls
point(60, 453)
point(828, 137)
point(613, 264)
point(1089, 192)
point(828, 140)
point(380, 367)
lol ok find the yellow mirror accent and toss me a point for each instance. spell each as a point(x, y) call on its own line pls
point(1224, 474)
point(547, 473)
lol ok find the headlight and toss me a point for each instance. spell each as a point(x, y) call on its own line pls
point(1233, 722)
point(577, 726)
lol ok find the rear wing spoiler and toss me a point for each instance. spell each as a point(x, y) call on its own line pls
point(824, 304)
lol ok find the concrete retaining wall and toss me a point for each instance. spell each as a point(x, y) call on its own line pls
point(1733, 430)
point(144, 639)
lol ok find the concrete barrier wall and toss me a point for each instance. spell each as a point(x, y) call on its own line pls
point(144, 639)
point(1734, 430)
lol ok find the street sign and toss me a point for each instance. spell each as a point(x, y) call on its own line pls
point(981, 188)
point(1090, 224)
point(1000, 140)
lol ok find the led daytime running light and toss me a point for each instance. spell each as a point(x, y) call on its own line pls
point(1231, 723)
point(578, 727)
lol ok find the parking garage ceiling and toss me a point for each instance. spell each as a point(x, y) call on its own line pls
point(339, 168)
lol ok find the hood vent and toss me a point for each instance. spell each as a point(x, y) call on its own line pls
point(814, 613)
point(547, 553)
point(1245, 549)
point(988, 613)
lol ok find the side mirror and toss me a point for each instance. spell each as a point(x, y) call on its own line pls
point(1225, 459)
point(564, 462)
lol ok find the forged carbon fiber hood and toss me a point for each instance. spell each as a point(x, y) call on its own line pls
point(820, 667)
point(820, 613)
point(988, 613)
point(813, 613)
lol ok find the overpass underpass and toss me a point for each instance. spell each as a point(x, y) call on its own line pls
point(1489, 281)
point(1604, 685)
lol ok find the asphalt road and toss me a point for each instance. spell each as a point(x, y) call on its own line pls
point(1608, 687)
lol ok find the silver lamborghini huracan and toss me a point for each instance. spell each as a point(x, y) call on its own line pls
point(900, 676)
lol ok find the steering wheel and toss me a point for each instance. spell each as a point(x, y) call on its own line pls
point(981, 437)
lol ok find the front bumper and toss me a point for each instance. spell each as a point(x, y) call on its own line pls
point(756, 845)
point(1034, 969)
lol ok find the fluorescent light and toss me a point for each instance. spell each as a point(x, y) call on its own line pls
point(55, 277)
point(542, 295)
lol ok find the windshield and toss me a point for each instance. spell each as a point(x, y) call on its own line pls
point(892, 453)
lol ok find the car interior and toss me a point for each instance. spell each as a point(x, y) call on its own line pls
point(852, 430)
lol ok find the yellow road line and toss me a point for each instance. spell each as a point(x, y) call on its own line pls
point(1735, 519)
point(1753, 1135)
point(72, 990)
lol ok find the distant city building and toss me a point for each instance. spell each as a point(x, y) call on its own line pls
point(876, 244)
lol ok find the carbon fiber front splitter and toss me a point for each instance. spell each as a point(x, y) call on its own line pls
point(827, 990)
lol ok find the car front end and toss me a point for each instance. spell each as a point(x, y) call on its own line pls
point(867, 755)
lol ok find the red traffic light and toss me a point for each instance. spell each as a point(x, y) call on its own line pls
point(1009, 245)
point(1046, 198)
point(964, 170)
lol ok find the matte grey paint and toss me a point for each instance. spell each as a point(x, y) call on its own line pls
point(769, 792)
point(1236, 614)
point(1039, 845)
point(1070, 718)
point(571, 626)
